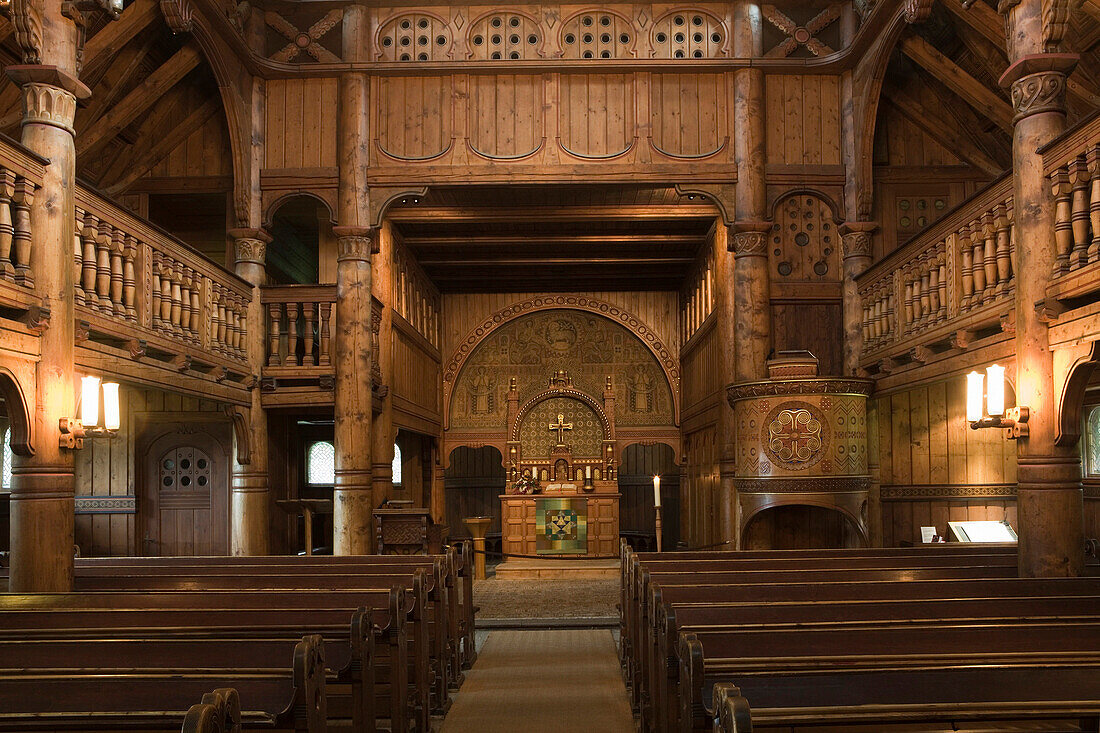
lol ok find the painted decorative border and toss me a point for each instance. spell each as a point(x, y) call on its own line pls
point(794, 485)
point(923, 492)
point(106, 505)
point(747, 390)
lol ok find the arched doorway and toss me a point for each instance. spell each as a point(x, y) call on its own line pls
point(474, 480)
point(800, 527)
point(640, 464)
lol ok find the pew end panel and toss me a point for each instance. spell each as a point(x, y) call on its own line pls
point(731, 709)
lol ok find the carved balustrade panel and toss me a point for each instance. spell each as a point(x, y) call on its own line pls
point(1072, 165)
point(299, 327)
point(20, 177)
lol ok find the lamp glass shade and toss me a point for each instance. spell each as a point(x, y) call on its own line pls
point(995, 390)
point(112, 416)
point(975, 386)
point(89, 401)
point(656, 491)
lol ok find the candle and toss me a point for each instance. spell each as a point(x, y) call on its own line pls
point(657, 491)
point(588, 471)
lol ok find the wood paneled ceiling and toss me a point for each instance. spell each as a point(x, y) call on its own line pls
point(555, 238)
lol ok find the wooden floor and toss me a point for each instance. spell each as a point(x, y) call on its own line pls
point(557, 681)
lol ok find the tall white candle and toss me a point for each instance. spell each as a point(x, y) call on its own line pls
point(656, 491)
point(588, 471)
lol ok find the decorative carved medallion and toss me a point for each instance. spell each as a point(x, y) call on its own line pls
point(801, 36)
point(307, 40)
point(794, 439)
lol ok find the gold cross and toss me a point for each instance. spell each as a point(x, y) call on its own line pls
point(561, 426)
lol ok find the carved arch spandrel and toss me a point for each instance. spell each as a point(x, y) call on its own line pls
point(19, 408)
point(668, 362)
point(1083, 361)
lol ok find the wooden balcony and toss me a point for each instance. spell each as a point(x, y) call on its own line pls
point(948, 288)
point(20, 177)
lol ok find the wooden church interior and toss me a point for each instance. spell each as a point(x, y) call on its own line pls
point(361, 272)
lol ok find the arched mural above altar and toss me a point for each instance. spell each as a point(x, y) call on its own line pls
point(589, 346)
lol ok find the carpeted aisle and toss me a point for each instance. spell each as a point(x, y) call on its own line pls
point(552, 681)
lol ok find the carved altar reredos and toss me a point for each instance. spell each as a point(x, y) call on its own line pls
point(801, 441)
point(591, 427)
point(527, 341)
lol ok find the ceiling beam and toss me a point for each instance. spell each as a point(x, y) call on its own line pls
point(113, 82)
point(510, 240)
point(562, 261)
point(943, 130)
point(147, 158)
point(140, 99)
point(102, 47)
point(434, 215)
point(973, 92)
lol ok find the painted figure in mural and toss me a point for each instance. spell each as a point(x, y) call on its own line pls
point(481, 393)
point(641, 385)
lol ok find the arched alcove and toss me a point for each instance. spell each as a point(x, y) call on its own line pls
point(303, 249)
point(641, 462)
point(800, 527)
point(474, 480)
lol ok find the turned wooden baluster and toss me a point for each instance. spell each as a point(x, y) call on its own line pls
point(1011, 238)
point(308, 313)
point(157, 321)
point(292, 333)
point(324, 311)
point(129, 278)
point(989, 255)
point(275, 314)
point(942, 278)
point(242, 329)
point(103, 267)
point(166, 275)
point(186, 275)
point(22, 199)
point(116, 245)
point(196, 304)
point(1004, 245)
point(219, 319)
point(78, 258)
point(966, 267)
point(910, 304)
point(175, 316)
point(231, 323)
point(1062, 189)
point(89, 235)
point(1092, 159)
point(7, 229)
point(934, 287)
point(1079, 218)
point(977, 242)
point(925, 290)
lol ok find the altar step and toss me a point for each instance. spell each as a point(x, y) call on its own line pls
point(557, 568)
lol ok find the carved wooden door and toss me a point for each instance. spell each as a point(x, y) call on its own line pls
point(185, 498)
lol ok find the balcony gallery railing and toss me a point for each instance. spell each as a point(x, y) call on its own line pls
point(299, 328)
point(136, 284)
point(956, 276)
point(1072, 163)
point(20, 177)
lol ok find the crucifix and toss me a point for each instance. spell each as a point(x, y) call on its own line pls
point(561, 426)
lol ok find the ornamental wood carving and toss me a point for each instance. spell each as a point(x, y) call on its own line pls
point(801, 35)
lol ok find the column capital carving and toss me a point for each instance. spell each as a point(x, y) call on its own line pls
point(1038, 83)
point(857, 238)
point(49, 95)
point(355, 242)
point(250, 245)
point(750, 238)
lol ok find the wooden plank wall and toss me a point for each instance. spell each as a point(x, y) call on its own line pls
point(112, 468)
point(205, 153)
point(934, 467)
point(301, 123)
point(474, 480)
point(417, 375)
point(803, 115)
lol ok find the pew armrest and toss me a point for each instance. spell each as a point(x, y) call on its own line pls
point(731, 709)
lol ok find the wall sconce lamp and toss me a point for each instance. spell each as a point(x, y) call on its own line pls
point(74, 431)
point(990, 389)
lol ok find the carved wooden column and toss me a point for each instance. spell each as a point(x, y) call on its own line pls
point(727, 366)
point(352, 494)
point(250, 492)
point(43, 484)
point(382, 284)
point(857, 241)
point(752, 299)
point(1049, 499)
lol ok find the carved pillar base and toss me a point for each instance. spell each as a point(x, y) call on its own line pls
point(1050, 514)
point(250, 512)
point(352, 494)
point(42, 538)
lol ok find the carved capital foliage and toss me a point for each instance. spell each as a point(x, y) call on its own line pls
point(355, 243)
point(858, 239)
point(1056, 15)
point(250, 249)
point(750, 238)
point(1041, 92)
point(178, 15)
point(46, 104)
point(917, 11)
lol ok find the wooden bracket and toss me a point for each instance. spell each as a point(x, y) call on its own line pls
point(137, 348)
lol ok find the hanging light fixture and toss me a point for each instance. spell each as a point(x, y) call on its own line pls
point(985, 404)
point(74, 431)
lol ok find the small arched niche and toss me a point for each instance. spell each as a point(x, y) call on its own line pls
point(303, 248)
point(474, 480)
point(800, 527)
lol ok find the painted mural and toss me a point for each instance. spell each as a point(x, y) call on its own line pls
point(586, 345)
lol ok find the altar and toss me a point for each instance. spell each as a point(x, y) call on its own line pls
point(563, 500)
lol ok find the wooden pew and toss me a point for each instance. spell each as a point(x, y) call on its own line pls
point(374, 669)
point(283, 696)
point(732, 656)
point(1050, 697)
point(218, 712)
point(660, 705)
point(428, 630)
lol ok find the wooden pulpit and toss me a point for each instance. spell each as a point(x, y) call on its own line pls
point(408, 531)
